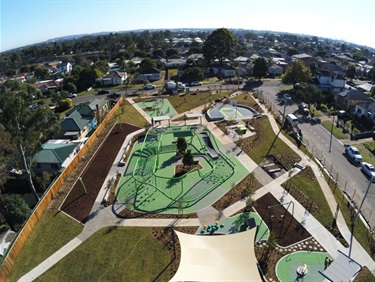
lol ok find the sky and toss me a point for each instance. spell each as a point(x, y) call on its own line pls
point(24, 22)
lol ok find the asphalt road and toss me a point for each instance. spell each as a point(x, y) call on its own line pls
point(329, 151)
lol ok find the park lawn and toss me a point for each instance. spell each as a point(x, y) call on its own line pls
point(367, 150)
point(53, 231)
point(361, 233)
point(337, 132)
point(187, 102)
point(310, 186)
point(114, 254)
point(127, 113)
point(258, 153)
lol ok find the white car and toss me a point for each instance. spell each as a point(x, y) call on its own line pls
point(369, 170)
point(195, 83)
point(149, 87)
point(72, 95)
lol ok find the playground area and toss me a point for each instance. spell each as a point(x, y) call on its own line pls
point(301, 266)
point(150, 185)
point(230, 112)
point(157, 107)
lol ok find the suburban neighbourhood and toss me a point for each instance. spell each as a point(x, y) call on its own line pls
point(124, 155)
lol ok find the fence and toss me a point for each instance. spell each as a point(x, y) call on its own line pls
point(29, 225)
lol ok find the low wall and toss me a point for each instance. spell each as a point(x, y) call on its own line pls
point(28, 227)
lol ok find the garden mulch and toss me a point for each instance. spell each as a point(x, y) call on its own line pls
point(78, 204)
point(286, 229)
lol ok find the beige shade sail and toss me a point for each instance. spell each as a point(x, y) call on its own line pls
point(217, 257)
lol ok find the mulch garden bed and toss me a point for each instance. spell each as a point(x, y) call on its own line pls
point(78, 204)
point(286, 229)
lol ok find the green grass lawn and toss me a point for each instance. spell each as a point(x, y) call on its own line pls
point(367, 150)
point(52, 232)
point(131, 115)
point(114, 254)
point(185, 103)
point(337, 132)
point(278, 147)
point(309, 185)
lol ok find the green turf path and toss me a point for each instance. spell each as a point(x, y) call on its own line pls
point(157, 107)
point(287, 266)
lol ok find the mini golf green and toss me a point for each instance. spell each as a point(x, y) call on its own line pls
point(149, 185)
point(286, 268)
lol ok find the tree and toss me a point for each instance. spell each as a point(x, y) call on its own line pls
point(7, 149)
point(41, 73)
point(351, 71)
point(188, 158)
point(292, 51)
point(181, 144)
point(102, 66)
point(296, 73)
point(14, 209)
point(260, 68)
point(71, 88)
point(27, 127)
point(191, 74)
point(171, 52)
point(147, 63)
point(220, 44)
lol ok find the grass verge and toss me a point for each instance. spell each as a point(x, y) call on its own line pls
point(337, 132)
point(127, 113)
point(52, 232)
point(187, 102)
point(114, 254)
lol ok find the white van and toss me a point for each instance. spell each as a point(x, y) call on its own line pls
point(292, 119)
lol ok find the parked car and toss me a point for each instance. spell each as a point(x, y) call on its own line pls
point(72, 95)
point(33, 106)
point(287, 97)
point(104, 91)
point(353, 154)
point(369, 170)
point(195, 83)
point(149, 87)
point(113, 95)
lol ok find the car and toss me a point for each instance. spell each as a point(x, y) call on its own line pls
point(353, 154)
point(195, 83)
point(286, 96)
point(72, 95)
point(104, 91)
point(113, 95)
point(33, 106)
point(149, 87)
point(369, 170)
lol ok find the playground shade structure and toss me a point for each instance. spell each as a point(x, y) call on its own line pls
point(217, 258)
point(149, 184)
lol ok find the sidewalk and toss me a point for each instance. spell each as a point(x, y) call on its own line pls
point(104, 217)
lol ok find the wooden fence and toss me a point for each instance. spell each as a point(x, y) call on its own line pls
point(28, 227)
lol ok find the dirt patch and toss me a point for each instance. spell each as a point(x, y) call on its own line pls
point(182, 169)
point(286, 229)
point(78, 204)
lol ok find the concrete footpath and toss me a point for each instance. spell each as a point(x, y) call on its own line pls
point(103, 216)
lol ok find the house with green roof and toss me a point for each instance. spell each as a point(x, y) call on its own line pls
point(54, 157)
point(82, 119)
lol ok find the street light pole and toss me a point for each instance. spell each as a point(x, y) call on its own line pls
point(356, 216)
point(330, 141)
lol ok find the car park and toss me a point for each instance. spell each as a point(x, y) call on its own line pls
point(149, 87)
point(369, 170)
point(72, 95)
point(195, 83)
point(104, 91)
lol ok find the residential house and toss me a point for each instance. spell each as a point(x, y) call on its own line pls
point(366, 109)
point(64, 67)
point(302, 57)
point(224, 70)
point(173, 63)
point(349, 98)
point(366, 87)
point(112, 78)
point(55, 155)
point(82, 119)
point(49, 85)
point(274, 69)
point(329, 82)
point(150, 74)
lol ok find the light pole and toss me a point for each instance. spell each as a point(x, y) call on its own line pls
point(330, 140)
point(356, 216)
point(286, 98)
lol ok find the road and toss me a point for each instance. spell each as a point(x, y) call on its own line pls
point(318, 140)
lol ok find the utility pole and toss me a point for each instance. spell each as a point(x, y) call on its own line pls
point(330, 141)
